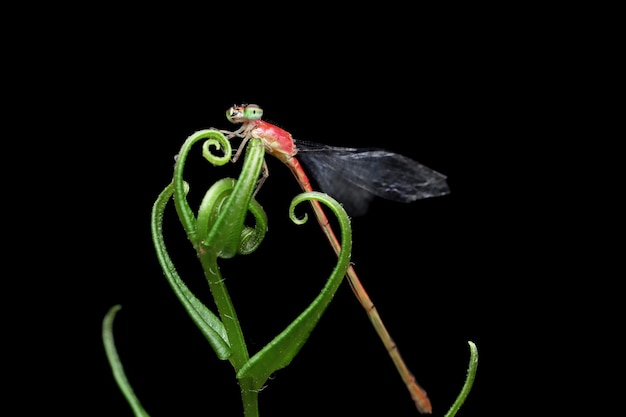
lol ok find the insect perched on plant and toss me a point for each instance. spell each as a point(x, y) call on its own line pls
point(354, 177)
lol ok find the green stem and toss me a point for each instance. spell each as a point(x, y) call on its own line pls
point(249, 398)
point(239, 356)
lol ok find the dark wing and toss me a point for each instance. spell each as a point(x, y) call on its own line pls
point(354, 176)
point(332, 179)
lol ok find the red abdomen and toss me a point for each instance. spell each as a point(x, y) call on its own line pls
point(278, 142)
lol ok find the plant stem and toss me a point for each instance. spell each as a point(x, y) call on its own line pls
point(249, 398)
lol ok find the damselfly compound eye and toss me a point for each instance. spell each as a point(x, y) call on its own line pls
point(253, 112)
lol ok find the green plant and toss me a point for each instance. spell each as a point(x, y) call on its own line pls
point(219, 231)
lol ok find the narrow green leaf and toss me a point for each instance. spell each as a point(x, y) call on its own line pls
point(208, 323)
point(224, 235)
point(116, 364)
point(281, 350)
point(469, 381)
point(213, 138)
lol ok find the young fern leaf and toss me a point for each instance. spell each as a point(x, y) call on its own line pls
point(116, 364)
point(469, 381)
point(283, 348)
point(208, 323)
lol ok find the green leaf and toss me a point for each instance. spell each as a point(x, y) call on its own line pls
point(222, 232)
point(213, 138)
point(282, 349)
point(116, 364)
point(208, 323)
point(469, 381)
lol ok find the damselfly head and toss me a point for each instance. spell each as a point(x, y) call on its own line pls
point(243, 113)
point(236, 114)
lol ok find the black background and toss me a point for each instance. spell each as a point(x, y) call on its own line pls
point(446, 90)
